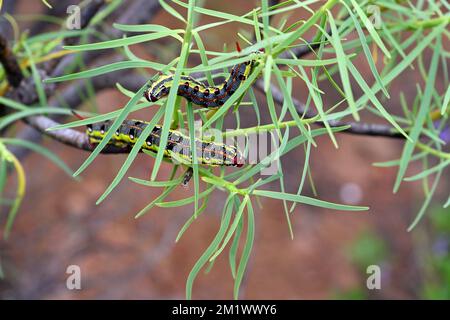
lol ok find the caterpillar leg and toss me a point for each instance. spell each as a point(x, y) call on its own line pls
point(187, 177)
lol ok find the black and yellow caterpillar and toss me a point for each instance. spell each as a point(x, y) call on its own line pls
point(208, 153)
point(197, 92)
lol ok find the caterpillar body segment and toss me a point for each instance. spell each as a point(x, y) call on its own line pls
point(208, 153)
point(197, 92)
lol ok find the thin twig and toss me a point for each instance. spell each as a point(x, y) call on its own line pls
point(359, 128)
point(73, 98)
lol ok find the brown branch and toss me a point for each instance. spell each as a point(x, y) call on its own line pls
point(360, 128)
point(72, 97)
point(69, 137)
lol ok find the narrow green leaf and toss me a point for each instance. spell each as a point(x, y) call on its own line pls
point(12, 104)
point(203, 56)
point(447, 203)
point(132, 155)
point(318, 103)
point(119, 120)
point(370, 28)
point(108, 69)
point(366, 49)
point(274, 156)
point(116, 43)
point(371, 95)
point(247, 249)
point(41, 150)
point(192, 218)
point(163, 195)
point(48, 36)
point(232, 229)
point(290, 104)
point(157, 183)
point(239, 92)
point(171, 11)
point(446, 103)
point(426, 202)
point(234, 248)
point(396, 162)
point(429, 171)
point(142, 28)
point(424, 109)
point(307, 200)
point(405, 63)
point(20, 193)
point(255, 106)
point(342, 64)
point(172, 99)
point(226, 217)
point(106, 11)
point(186, 201)
point(295, 35)
point(36, 77)
point(170, 108)
point(195, 164)
point(7, 120)
point(3, 174)
point(392, 40)
point(267, 73)
point(304, 171)
point(309, 63)
point(265, 18)
point(97, 118)
point(257, 30)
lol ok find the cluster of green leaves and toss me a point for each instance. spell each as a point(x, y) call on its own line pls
point(331, 63)
point(30, 52)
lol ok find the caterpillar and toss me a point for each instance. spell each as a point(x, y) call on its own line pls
point(208, 153)
point(197, 92)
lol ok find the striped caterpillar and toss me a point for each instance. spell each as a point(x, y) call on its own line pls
point(197, 92)
point(208, 153)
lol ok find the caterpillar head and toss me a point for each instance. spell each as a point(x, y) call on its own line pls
point(157, 90)
point(238, 159)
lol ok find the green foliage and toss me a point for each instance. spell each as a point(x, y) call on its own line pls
point(368, 249)
point(332, 65)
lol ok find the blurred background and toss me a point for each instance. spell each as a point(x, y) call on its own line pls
point(125, 258)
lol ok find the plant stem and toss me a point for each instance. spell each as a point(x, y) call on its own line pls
point(267, 127)
point(432, 151)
